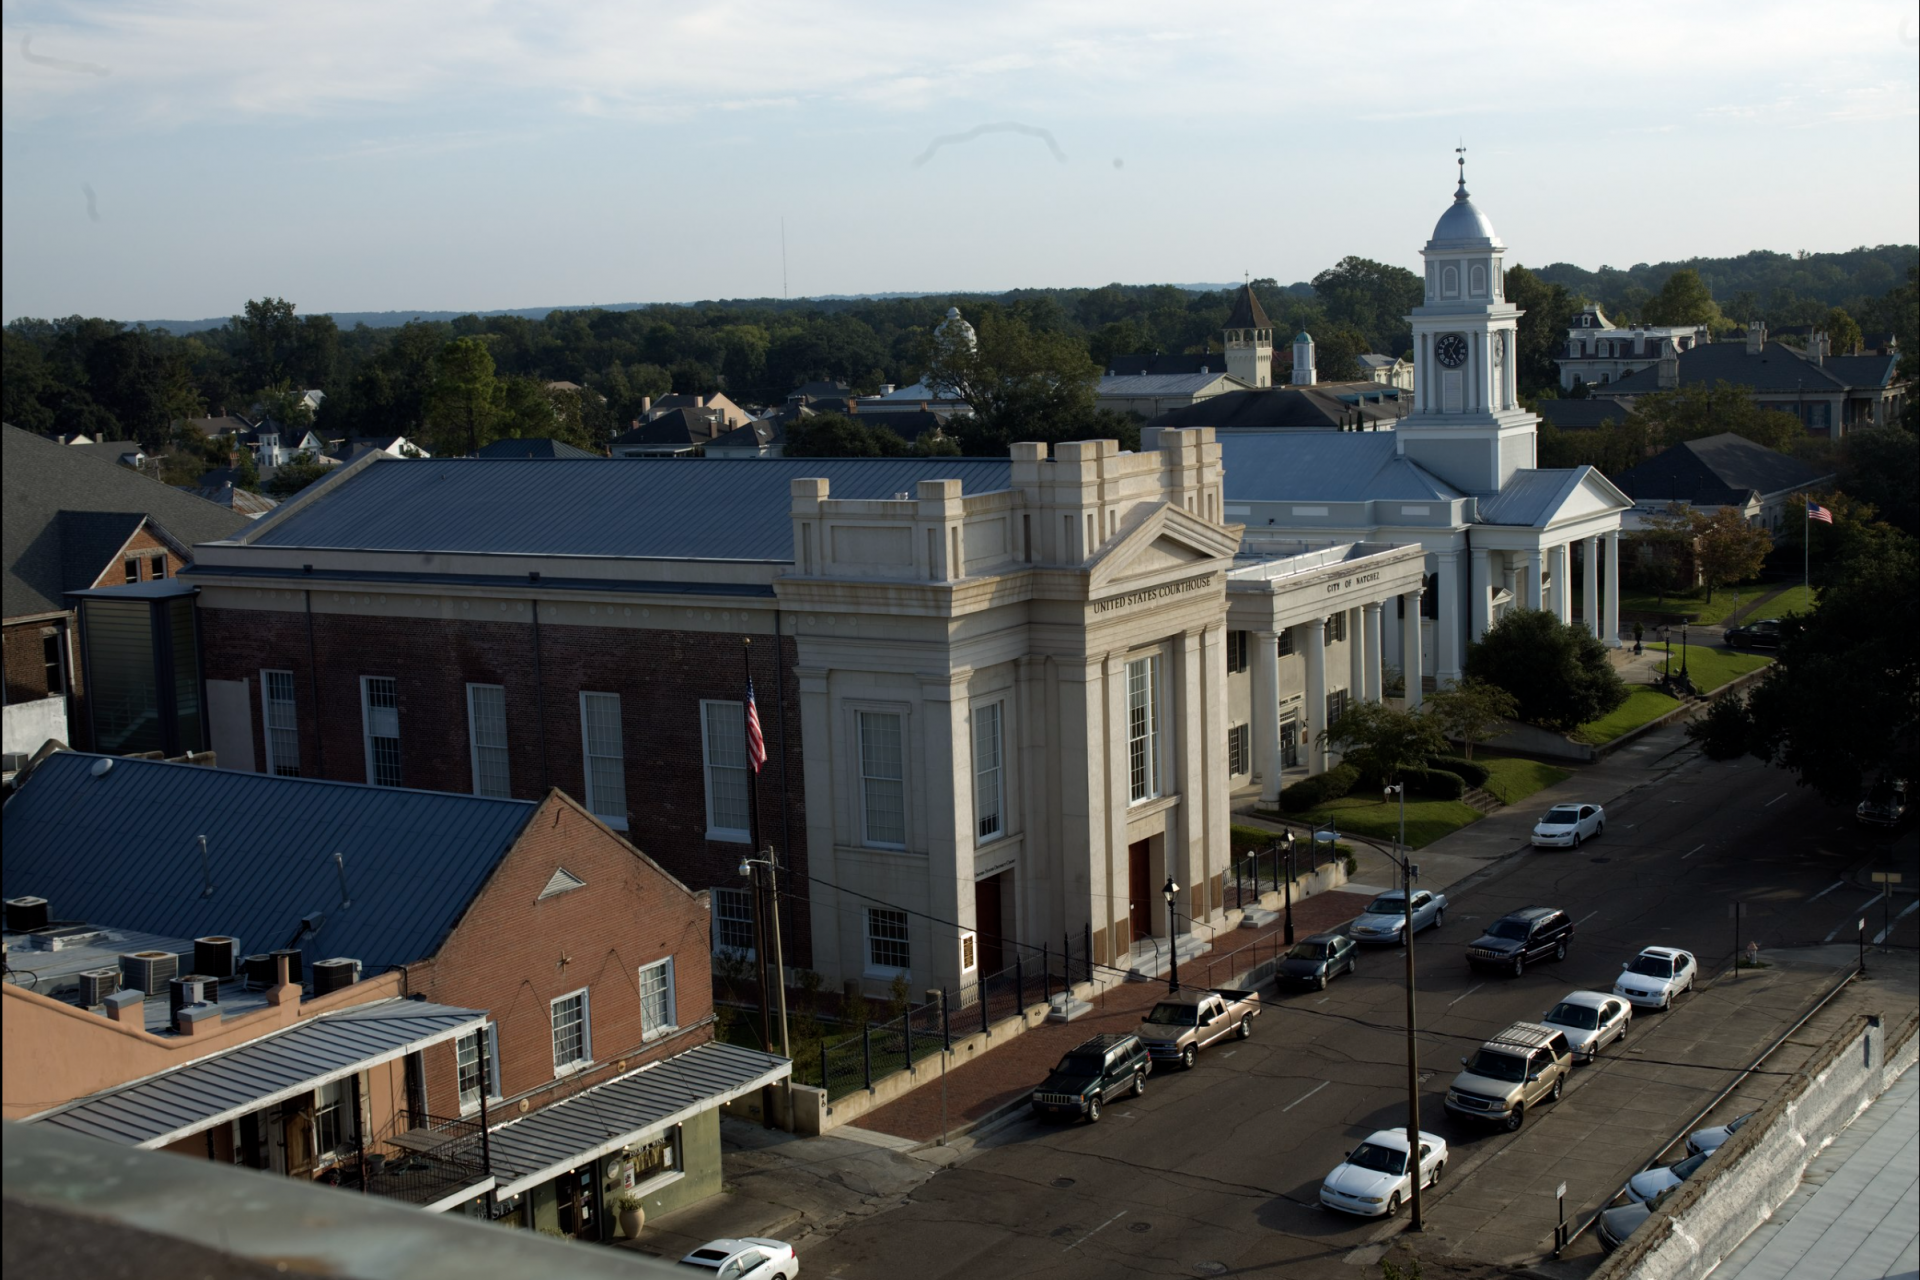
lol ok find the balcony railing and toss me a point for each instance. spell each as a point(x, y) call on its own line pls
point(423, 1159)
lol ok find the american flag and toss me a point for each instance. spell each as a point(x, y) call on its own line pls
point(1817, 512)
point(756, 745)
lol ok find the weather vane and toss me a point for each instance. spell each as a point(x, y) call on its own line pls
point(1461, 151)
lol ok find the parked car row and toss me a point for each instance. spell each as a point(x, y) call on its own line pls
point(1649, 1190)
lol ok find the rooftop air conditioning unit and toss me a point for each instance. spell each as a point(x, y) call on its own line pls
point(216, 955)
point(148, 971)
point(182, 992)
point(332, 975)
point(259, 970)
point(26, 914)
point(96, 985)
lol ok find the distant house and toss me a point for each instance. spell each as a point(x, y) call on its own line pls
point(761, 438)
point(220, 424)
point(717, 408)
point(1325, 406)
point(275, 445)
point(532, 447)
point(677, 433)
point(1580, 415)
point(125, 452)
point(1152, 394)
point(397, 446)
point(221, 487)
point(1600, 353)
point(1388, 371)
point(1724, 470)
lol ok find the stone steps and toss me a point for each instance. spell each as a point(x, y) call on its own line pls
point(1484, 801)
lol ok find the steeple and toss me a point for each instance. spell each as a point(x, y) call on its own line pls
point(1249, 340)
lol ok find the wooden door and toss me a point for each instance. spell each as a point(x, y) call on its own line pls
point(297, 1128)
point(986, 922)
point(1139, 890)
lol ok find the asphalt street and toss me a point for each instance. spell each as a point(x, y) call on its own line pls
point(1217, 1171)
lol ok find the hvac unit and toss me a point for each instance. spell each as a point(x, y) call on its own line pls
point(260, 971)
point(218, 955)
point(296, 973)
point(96, 985)
point(148, 971)
point(26, 914)
point(182, 992)
point(332, 975)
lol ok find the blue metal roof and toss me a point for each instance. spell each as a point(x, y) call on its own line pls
point(1323, 466)
point(1530, 498)
point(675, 508)
point(123, 850)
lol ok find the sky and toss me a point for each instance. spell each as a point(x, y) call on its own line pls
point(169, 159)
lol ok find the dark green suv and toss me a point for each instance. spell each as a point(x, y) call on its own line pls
point(1104, 1067)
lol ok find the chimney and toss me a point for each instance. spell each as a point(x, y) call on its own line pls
point(1819, 347)
point(646, 406)
point(283, 991)
point(886, 388)
point(1756, 337)
point(128, 1008)
point(197, 1019)
point(699, 402)
point(1669, 367)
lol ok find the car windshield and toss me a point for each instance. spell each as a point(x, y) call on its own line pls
point(1498, 1066)
point(1388, 904)
point(1514, 929)
point(1688, 1167)
point(1311, 951)
point(1080, 1064)
point(1378, 1159)
point(1561, 816)
point(1584, 1017)
point(1652, 966)
point(1734, 1127)
point(1172, 1014)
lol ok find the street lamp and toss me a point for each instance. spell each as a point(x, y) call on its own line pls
point(1170, 891)
point(749, 870)
point(1683, 651)
point(1286, 848)
point(1414, 1222)
point(1666, 658)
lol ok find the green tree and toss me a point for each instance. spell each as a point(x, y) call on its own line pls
point(1881, 466)
point(1843, 332)
point(1695, 410)
point(1546, 312)
point(1469, 711)
point(1558, 673)
point(1380, 740)
point(284, 404)
point(1374, 298)
point(1337, 349)
point(291, 477)
point(463, 400)
point(833, 435)
point(1726, 548)
point(1023, 384)
point(1683, 299)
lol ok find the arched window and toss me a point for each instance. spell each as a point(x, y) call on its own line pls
point(1477, 281)
point(1450, 282)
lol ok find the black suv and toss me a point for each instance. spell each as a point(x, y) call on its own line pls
point(1515, 939)
point(1764, 634)
point(1104, 1067)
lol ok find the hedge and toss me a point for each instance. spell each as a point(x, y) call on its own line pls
point(1311, 793)
point(1476, 774)
point(1435, 784)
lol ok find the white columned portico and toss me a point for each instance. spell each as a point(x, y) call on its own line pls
point(1314, 634)
point(1533, 578)
point(1356, 654)
point(1590, 586)
point(1410, 646)
point(1370, 615)
point(1447, 622)
point(1558, 580)
point(1482, 592)
point(1266, 713)
point(1611, 635)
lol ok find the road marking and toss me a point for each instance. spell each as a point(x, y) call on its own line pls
point(1776, 800)
point(1228, 1054)
point(1323, 999)
point(1689, 853)
point(1303, 1097)
point(1882, 936)
point(1850, 916)
point(1583, 919)
point(1096, 1231)
point(1837, 884)
point(1464, 994)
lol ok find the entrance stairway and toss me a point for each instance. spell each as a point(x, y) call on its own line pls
point(1484, 801)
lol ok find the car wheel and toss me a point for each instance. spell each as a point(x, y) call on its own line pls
point(1245, 1030)
point(1515, 1118)
point(1139, 1083)
point(1519, 965)
point(1323, 982)
point(1439, 917)
point(1393, 1204)
point(1093, 1109)
point(1576, 839)
point(1438, 1169)
point(1187, 1055)
point(1559, 951)
point(1667, 1002)
point(1600, 830)
point(1558, 1085)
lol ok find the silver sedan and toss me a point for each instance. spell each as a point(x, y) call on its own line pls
point(1385, 919)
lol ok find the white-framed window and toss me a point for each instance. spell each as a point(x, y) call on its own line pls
point(1236, 651)
point(989, 773)
point(605, 758)
point(487, 739)
point(883, 779)
point(477, 1062)
point(733, 922)
point(723, 739)
point(572, 1032)
point(888, 950)
point(282, 723)
point(333, 1118)
point(1143, 729)
point(658, 1013)
point(380, 721)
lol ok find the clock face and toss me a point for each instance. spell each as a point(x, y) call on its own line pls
point(1500, 348)
point(1451, 350)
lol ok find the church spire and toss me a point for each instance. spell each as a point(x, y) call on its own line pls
point(1461, 152)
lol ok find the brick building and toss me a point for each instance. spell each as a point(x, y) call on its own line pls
point(588, 962)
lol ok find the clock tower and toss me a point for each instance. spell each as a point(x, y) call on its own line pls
point(1467, 426)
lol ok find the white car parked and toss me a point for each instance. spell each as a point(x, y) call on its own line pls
point(1591, 1021)
point(1648, 1183)
point(749, 1258)
point(1707, 1141)
point(1654, 977)
point(1373, 1179)
point(1565, 825)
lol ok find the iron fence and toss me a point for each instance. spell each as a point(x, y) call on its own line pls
point(1257, 871)
point(427, 1160)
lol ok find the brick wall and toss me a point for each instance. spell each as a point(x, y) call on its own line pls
point(25, 646)
point(661, 676)
point(513, 953)
point(147, 549)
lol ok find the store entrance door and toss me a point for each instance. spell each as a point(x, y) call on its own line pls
point(579, 1205)
point(1139, 889)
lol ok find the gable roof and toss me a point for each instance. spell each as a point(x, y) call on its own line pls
point(1775, 370)
point(1320, 407)
point(124, 848)
point(1247, 312)
point(1531, 496)
point(674, 427)
point(675, 508)
point(1716, 471)
point(1135, 363)
point(1580, 415)
point(533, 447)
point(1324, 466)
point(1163, 384)
point(66, 513)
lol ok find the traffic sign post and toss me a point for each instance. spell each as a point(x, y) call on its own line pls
point(1560, 1232)
point(1886, 880)
point(1862, 930)
point(1736, 910)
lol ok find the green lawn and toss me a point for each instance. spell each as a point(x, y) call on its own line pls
point(1693, 604)
point(1642, 704)
point(1712, 668)
point(1427, 820)
point(1514, 779)
point(1792, 600)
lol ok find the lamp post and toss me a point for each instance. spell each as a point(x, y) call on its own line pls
point(1414, 1221)
point(1683, 651)
point(1170, 891)
point(1666, 657)
point(1286, 849)
point(749, 869)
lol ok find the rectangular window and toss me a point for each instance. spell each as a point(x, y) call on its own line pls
point(1238, 760)
point(572, 1036)
point(605, 758)
point(1336, 705)
point(723, 733)
point(487, 739)
point(989, 774)
point(733, 922)
point(132, 568)
point(56, 670)
point(1143, 729)
point(1337, 628)
point(657, 1010)
point(380, 714)
point(282, 724)
point(887, 948)
point(333, 1126)
point(1286, 641)
point(883, 785)
point(477, 1058)
point(1236, 651)
point(160, 566)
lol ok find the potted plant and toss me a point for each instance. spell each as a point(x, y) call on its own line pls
point(1638, 631)
point(632, 1216)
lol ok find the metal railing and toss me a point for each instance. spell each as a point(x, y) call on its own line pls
point(421, 1159)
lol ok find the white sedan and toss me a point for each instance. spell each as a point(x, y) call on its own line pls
point(1654, 977)
point(1648, 1183)
point(1591, 1021)
point(1373, 1180)
point(749, 1258)
point(1706, 1141)
point(1565, 825)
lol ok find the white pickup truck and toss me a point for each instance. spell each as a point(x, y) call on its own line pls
point(1181, 1025)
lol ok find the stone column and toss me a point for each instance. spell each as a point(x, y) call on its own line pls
point(1590, 587)
point(1610, 634)
point(1482, 588)
point(946, 825)
point(1410, 647)
point(1356, 654)
point(1532, 598)
point(1314, 635)
point(1447, 628)
point(1370, 616)
point(1266, 713)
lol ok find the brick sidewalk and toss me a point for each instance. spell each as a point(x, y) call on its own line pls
point(1011, 1070)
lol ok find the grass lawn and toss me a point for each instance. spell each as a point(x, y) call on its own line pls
point(1693, 603)
point(1712, 668)
point(1513, 779)
point(1642, 704)
point(1793, 600)
point(1427, 820)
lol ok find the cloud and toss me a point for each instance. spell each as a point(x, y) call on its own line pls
point(60, 64)
point(1010, 126)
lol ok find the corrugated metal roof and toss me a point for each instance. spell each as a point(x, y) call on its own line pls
point(630, 1109)
point(676, 508)
point(174, 1104)
point(1160, 384)
point(123, 850)
point(1323, 466)
point(1529, 498)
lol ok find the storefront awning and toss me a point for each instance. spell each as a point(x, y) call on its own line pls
point(626, 1110)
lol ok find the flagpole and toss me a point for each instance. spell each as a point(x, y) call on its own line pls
point(1806, 545)
point(761, 929)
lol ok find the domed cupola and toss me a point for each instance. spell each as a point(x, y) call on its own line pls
point(954, 331)
point(1463, 226)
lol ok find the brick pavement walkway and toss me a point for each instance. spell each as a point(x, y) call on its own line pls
point(1010, 1070)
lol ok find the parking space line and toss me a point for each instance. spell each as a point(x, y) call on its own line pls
point(1689, 853)
point(1096, 1231)
point(1308, 1094)
point(1583, 919)
point(1464, 994)
point(1850, 916)
point(1776, 800)
point(1882, 936)
point(1837, 884)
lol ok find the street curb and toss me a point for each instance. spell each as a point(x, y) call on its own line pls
point(976, 1128)
point(1683, 711)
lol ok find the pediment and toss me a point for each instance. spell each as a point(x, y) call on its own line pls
point(1594, 495)
point(1167, 542)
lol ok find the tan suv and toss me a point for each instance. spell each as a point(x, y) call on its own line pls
point(1522, 1067)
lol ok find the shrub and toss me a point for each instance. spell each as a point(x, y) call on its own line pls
point(1338, 780)
point(1441, 784)
point(1726, 731)
point(1248, 839)
point(1475, 775)
point(1303, 795)
point(1558, 673)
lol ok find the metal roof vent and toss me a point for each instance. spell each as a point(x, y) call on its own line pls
point(101, 767)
